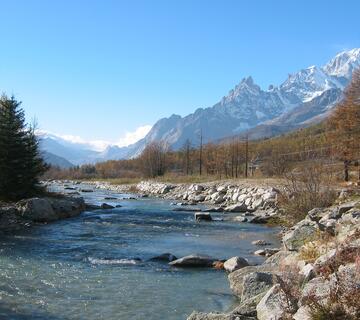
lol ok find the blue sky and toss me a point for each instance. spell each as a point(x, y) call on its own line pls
point(101, 69)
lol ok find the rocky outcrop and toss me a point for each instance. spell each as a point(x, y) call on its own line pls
point(39, 210)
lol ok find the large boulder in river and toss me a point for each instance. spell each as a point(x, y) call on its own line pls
point(37, 210)
point(235, 263)
point(193, 261)
point(106, 206)
point(67, 207)
point(202, 216)
point(165, 257)
point(45, 209)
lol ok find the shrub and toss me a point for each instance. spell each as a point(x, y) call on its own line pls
point(309, 252)
point(306, 188)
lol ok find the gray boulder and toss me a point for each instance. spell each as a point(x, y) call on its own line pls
point(106, 206)
point(318, 287)
point(37, 210)
point(193, 261)
point(199, 198)
point(271, 306)
point(256, 283)
point(236, 278)
point(202, 216)
point(235, 263)
point(260, 243)
point(302, 232)
point(10, 219)
point(67, 207)
point(165, 257)
point(239, 207)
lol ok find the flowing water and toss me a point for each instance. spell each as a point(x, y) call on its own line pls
point(95, 266)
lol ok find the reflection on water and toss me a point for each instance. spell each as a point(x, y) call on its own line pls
point(96, 266)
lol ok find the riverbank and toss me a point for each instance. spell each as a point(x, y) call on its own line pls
point(316, 275)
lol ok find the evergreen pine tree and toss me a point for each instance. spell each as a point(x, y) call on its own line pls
point(20, 161)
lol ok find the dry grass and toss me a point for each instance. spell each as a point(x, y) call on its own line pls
point(306, 188)
point(310, 252)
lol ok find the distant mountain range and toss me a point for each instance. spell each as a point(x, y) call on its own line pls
point(56, 161)
point(304, 98)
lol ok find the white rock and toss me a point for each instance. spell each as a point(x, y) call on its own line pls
point(235, 263)
point(271, 306)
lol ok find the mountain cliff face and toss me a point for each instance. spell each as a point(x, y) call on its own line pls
point(305, 97)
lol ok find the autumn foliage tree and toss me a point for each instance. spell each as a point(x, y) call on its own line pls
point(344, 125)
point(153, 159)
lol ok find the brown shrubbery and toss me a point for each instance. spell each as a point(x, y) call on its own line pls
point(306, 188)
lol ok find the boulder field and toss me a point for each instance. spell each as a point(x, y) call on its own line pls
point(316, 271)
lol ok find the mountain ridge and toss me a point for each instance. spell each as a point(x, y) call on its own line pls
point(305, 97)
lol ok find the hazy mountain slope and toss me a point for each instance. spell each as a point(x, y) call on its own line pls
point(71, 152)
point(56, 161)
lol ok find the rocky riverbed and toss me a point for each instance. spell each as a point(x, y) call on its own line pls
point(120, 259)
point(253, 202)
point(319, 255)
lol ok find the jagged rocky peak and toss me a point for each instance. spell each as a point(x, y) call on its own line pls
point(343, 64)
point(245, 87)
point(308, 83)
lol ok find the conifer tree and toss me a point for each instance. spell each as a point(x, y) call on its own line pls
point(20, 160)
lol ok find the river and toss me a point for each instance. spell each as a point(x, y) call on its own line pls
point(95, 266)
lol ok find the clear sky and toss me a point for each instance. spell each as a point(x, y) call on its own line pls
point(100, 69)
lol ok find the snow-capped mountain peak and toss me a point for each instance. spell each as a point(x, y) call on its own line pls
point(343, 64)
